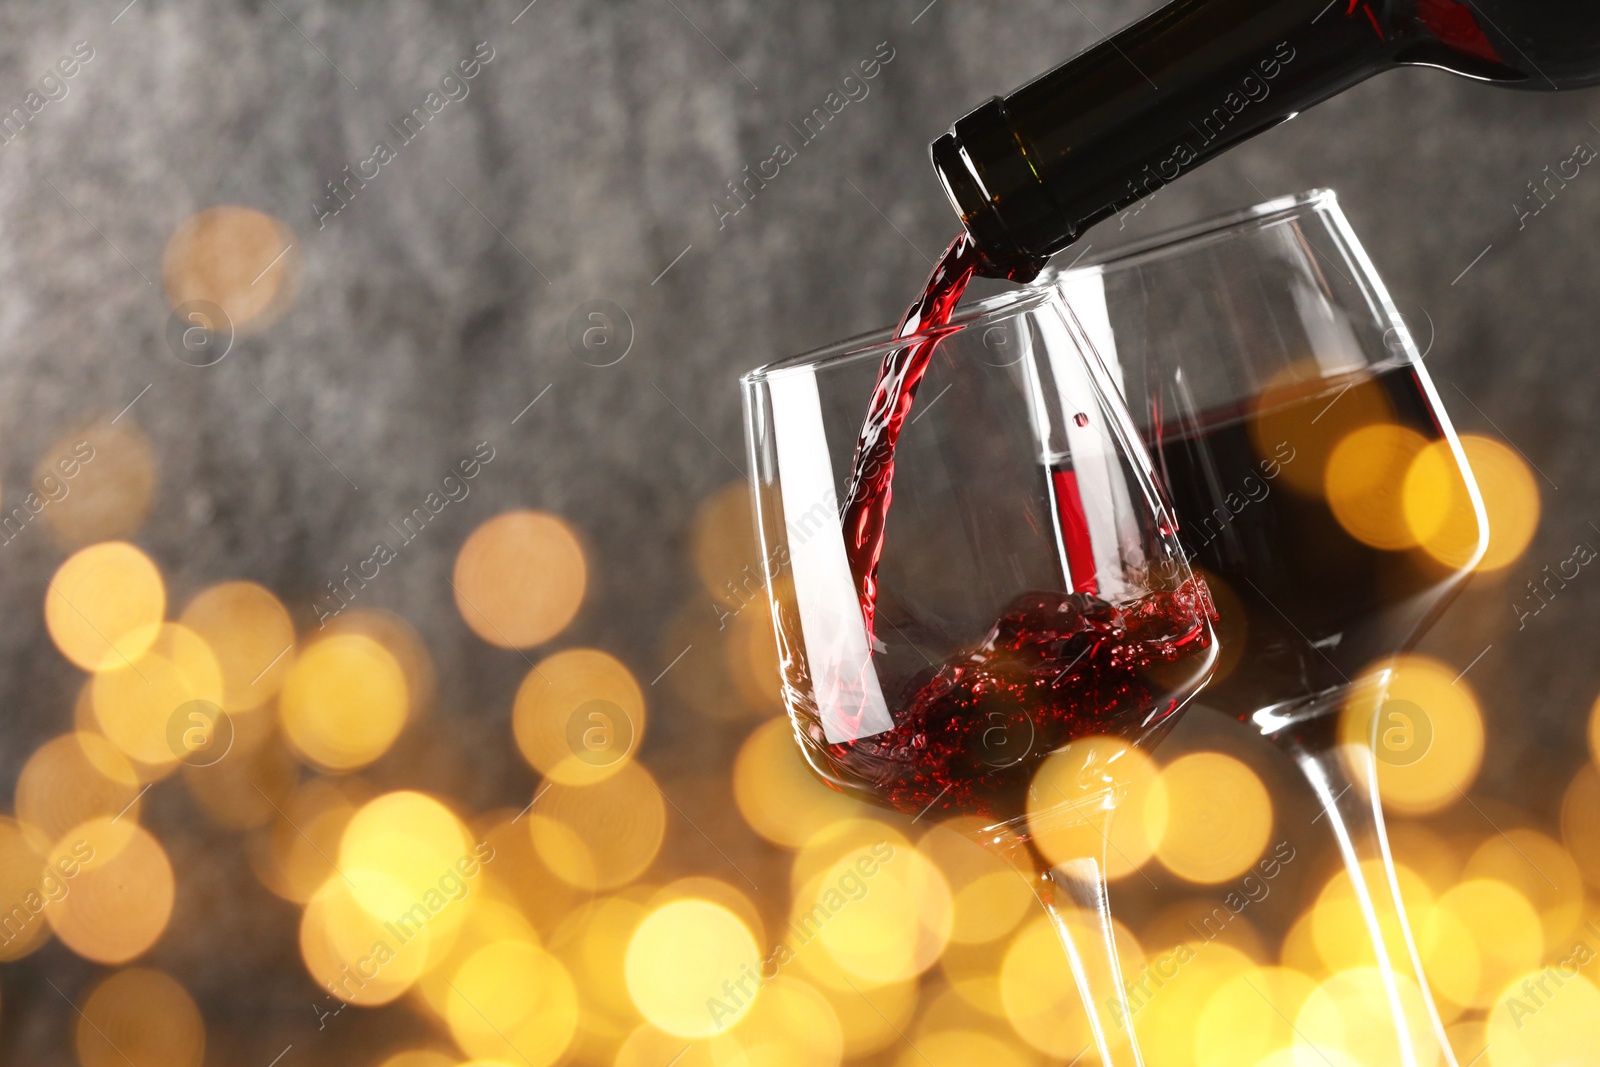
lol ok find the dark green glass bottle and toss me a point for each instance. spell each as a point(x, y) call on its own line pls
point(1030, 172)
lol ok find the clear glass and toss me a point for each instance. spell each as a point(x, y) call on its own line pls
point(1319, 489)
point(1027, 548)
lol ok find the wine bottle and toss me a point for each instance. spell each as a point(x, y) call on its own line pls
point(1030, 172)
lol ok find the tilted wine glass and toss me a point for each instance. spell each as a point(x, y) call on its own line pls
point(1031, 596)
point(1319, 489)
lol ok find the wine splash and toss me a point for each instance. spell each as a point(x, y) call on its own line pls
point(1055, 667)
point(970, 732)
point(866, 504)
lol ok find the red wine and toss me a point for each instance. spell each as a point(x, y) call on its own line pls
point(1029, 173)
point(1074, 526)
point(1304, 605)
point(969, 733)
point(866, 503)
point(1055, 667)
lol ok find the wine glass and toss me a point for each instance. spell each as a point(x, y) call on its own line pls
point(1319, 489)
point(1035, 618)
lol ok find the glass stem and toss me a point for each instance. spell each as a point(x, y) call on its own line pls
point(1344, 779)
point(1074, 896)
point(1082, 917)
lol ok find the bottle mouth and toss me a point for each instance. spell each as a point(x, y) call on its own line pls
point(980, 207)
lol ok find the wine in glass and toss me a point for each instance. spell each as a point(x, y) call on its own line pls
point(1022, 613)
point(1320, 490)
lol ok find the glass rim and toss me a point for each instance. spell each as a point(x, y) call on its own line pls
point(874, 343)
point(1227, 224)
point(1044, 288)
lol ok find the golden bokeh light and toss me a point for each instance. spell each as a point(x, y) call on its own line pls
point(601, 1031)
point(26, 890)
point(520, 579)
point(1339, 918)
point(1441, 509)
point(603, 835)
point(1039, 996)
point(1580, 822)
point(790, 1023)
point(800, 948)
point(1451, 960)
point(1542, 1019)
point(1503, 938)
point(1427, 729)
point(488, 922)
point(239, 259)
point(1220, 916)
point(344, 702)
point(710, 689)
point(1074, 788)
point(420, 1058)
point(295, 854)
point(71, 779)
point(593, 945)
point(777, 793)
point(96, 483)
point(988, 897)
point(1594, 731)
point(520, 876)
point(353, 954)
point(1296, 428)
point(250, 633)
point(1510, 498)
point(961, 1048)
point(871, 1017)
point(140, 1016)
point(578, 716)
point(120, 897)
point(1466, 1037)
point(244, 785)
point(513, 1002)
point(693, 968)
point(1219, 818)
point(149, 706)
point(647, 1046)
point(1298, 950)
point(1541, 872)
point(1365, 481)
point(845, 840)
point(104, 605)
point(727, 556)
point(1249, 1017)
point(945, 1009)
point(972, 971)
point(1169, 1004)
point(1302, 1055)
point(401, 640)
point(883, 913)
point(715, 890)
point(752, 654)
point(1425, 851)
point(1353, 1013)
point(410, 861)
point(83, 719)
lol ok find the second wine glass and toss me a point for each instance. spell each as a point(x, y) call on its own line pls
point(1323, 494)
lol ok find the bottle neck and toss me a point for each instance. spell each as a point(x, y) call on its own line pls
point(1030, 172)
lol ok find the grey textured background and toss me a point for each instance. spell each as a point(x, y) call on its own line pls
point(596, 141)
